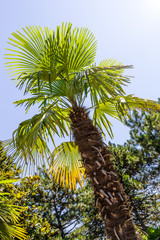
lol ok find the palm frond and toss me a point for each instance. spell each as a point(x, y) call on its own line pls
point(100, 119)
point(120, 107)
point(28, 158)
point(43, 100)
point(110, 62)
point(99, 82)
point(29, 102)
point(9, 231)
point(37, 56)
point(29, 146)
point(124, 105)
point(107, 82)
point(9, 217)
point(66, 166)
point(10, 212)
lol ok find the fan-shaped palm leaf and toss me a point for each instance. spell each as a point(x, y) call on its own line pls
point(39, 55)
point(124, 105)
point(99, 82)
point(45, 96)
point(100, 117)
point(66, 166)
point(29, 145)
point(120, 108)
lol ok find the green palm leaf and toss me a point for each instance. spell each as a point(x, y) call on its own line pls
point(124, 105)
point(29, 146)
point(66, 166)
point(38, 55)
point(44, 96)
point(100, 117)
point(10, 231)
point(99, 82)
point(120, 108)
point(9, 217)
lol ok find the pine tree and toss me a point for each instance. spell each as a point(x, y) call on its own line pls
point(138, 163)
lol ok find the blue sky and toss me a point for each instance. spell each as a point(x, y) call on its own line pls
point(128, 31)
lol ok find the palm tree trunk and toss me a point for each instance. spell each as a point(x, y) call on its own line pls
point(110, 197)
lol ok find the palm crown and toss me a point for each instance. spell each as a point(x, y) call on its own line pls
point(57, 68)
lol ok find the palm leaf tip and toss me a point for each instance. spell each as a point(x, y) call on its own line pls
point(126, 104)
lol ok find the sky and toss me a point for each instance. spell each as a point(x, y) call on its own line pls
point(128, 31)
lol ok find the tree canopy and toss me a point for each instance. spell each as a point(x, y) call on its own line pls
point(56, 68)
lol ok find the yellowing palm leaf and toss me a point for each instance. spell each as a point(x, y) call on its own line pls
point(66, 166)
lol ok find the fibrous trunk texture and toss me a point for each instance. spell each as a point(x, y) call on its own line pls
point(110, 197)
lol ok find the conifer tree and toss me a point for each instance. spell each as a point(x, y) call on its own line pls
point(138, 164)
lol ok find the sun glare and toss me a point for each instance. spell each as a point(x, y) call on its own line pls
point(152, 9)
point(154, 5)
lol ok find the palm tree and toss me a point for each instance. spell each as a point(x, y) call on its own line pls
point(58, 69)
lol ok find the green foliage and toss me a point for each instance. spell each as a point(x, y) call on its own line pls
point(7, 166)
point(9, 213)
point(58, 69)
point(153, 233)
point(9, 217)
point(138, 164)
point(52, 210)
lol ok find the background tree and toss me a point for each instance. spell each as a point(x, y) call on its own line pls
point(138, 165)
point(58, 69)
point(130, 164)
point(8, 168)
point(141, 160)
point(53, 211)
point(9, 213)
